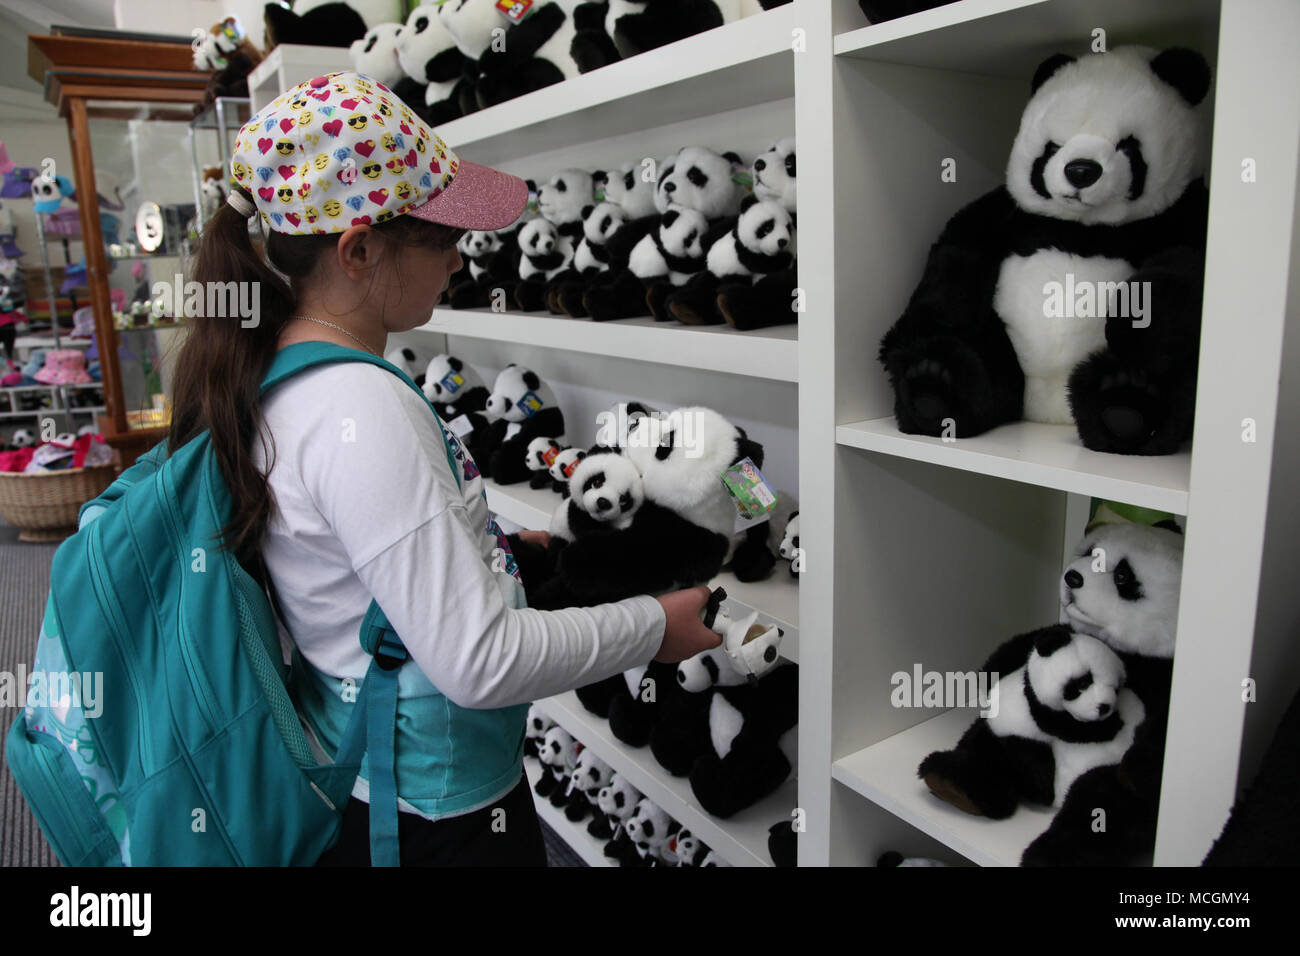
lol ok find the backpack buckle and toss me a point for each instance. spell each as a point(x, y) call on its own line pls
point(390, 653)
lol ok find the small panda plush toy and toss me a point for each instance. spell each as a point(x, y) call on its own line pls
point(562, 468)
point(535, 728)
point(651, 831)
point(375, 56)
point(545, 253)
point(590, 776)
point(492, 262)
point(458, 395)
point(541, 453)
point(1062, 714)
point(1122, 588)
point(406, 359)
point(533, 53)
point(617, 803)
point(630, 188)
point(673, 251)
point(558, 753)
point(526, 404)
point(1072, 295)
point(759, 246)
point(590, 259)
point(327, 22)
point(434, 64)
point(774, 175)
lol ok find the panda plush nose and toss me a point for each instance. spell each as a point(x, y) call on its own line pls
point(625, 501)
point(670, 187)
point(1103, 710)
point(760, 165)
point(603, 504)
point(1082, 173)
point(1073, 579)
point(782, 243)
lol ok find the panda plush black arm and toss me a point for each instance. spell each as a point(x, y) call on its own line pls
point(524, 39)
point(666, 21)
point(620, 244)
point(447, 65)
point(592, 47)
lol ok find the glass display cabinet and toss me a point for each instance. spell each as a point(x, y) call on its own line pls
point(129, 101)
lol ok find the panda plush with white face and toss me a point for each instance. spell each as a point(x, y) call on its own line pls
point(789, 549)
point(526, 404)
point(590, 776)
point(562, 468)
point(616, 803)
point(565, 197)
point(533, 53)
point(774, 175)
point(375, 56)
point(535, 728)
point(632, 190)
point(1122, 588)
point(592, 257)
point(491, 262)
point(434, 64)
point(759, 246)
point(545, 253)
point(542, 452)
point(651, 831)
point(1072, 295)
point(406, 359)
point(558, 753)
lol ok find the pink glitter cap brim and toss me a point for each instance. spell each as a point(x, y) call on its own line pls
point(479, 198)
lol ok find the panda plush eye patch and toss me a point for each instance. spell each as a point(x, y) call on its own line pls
point(1077, 686)
point(696, 177)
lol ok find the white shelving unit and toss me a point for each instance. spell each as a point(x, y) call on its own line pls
point(919, 550)
point(288, 65)
point(591, 850)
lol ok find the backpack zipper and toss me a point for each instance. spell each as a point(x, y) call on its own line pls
point(108, 599)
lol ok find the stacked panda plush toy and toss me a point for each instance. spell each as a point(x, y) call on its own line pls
point(526, 404)
point(1081, 707)
point(459, 396)
point(1072, 293)
point(433, 67)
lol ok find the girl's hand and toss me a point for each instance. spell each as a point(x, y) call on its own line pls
point(684, 633)
point(536, 537)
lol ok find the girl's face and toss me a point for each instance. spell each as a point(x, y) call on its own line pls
point(418, 277)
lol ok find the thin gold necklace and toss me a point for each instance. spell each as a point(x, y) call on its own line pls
point(338, 328)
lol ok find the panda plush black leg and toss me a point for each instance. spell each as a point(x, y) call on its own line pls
point(667, 22)
point(621, 298)
point(592, 47)
point(768, 302)
point(1131, 410)
point(599, 826)
point(977, 776)
point(498, 87)
point(751, 771)
point(696, 302)
point(782, 844)
point(1102, 822)
point(530, 295)
point(577, 806)
point(632, 719)
point(596, 697)
point(944, 385)
point(657, 295)
point(545, 784)
point(570, 297)
point(681, 735)
point(753, 560)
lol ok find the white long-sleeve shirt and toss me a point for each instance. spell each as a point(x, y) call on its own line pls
point(367, 507)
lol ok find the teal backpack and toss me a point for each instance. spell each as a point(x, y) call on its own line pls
point(158, 729)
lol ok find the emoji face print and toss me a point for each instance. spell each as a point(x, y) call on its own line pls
point(371, 170)
point(388, 142)
point(420, 146)
point(331, 208)
point(304, 190)
point(384, 109)
point(284, 194)
point(363, 85)
point(396, 166)
point(304, 118)
point(299, 101)
point(311, 214)
point(357, 122)
point(404, 190)
point(284, 147)
point(239, 169)
point(321, 161)
point(384, 215)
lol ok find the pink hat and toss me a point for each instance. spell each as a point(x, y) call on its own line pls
point(343, 149)
point(63, 367)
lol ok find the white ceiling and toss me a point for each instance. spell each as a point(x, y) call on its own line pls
point(21, 97)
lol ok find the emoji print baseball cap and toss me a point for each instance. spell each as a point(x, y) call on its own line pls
point(342, 150)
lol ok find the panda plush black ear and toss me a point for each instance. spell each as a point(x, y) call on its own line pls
point(1050, 640)
point(581, 455)
point(668, 218)
point(586, 210)
point(1185, 70)
point(748, 201)
point(599, 177)
point(1047, 68)
point(532, 186)
point(532, 381)
point(455, 363)
point(731, 157)
point(1169, 524)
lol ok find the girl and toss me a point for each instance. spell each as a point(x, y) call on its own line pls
point(343, 487)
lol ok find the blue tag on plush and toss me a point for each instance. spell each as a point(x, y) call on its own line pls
point(530, 403)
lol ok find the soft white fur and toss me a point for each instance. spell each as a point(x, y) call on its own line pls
point(536, 448)
point(723, 259)
point(609, 803)
point(591, 771)
point(651, 830)
point(719, 196)
point(439, 368)
point(682, 236)
point(510, 384)
point(598, 225)
point(637, 201)
point(1146, 626)
point(414, 50)
point(539, 237)
point(475, 243)
point(617, 477)
point(562, 198)
point(375, 54)
point(786, 549)
point(565, 459)
point(558, 749)
point(1087, 107)
point(773, 182)
point(538, 724)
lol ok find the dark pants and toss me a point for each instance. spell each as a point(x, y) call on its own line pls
point(8, 336)
point(485, 837)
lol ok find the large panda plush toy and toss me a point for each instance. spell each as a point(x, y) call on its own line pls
point(1121, 588)
point(434, 66)
point(1072, 293)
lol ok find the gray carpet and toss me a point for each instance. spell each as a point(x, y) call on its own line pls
point(24, 582)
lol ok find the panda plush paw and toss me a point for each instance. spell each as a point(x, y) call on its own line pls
point(959, 779)
point(943, 383)
point(764, 304)
point(1124, 410)
point(621, 298)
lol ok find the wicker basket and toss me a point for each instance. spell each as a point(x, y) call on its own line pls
point(44, 505)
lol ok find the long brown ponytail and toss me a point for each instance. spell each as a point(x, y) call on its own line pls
point(221, 364)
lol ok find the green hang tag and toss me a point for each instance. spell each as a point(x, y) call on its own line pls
point(599, 191)
point(1102, 511)
point(754, 496)
point(742, 175)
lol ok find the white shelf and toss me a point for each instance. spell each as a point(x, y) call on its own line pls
point(1009, 38)
point(741, 64)
point(885, 773)
point(290, 64)
point(741, 840)
point(575, 835)
point(762, 353)
point(776, 599)
point(1050, 456)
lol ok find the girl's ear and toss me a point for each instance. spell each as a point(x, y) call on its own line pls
point(358, 251)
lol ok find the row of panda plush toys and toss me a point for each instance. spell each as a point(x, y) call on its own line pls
point(644, 510)
point(636, 830)
point(698, 237)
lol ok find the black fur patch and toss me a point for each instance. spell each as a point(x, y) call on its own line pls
point(761, 263)
point(1047, 68)
point(1036, 171)
point(1127, 584)
point(1065, 727)
point(676, 263)
point(1131, 148)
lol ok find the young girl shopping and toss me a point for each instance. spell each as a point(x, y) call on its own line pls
point(342, 484)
